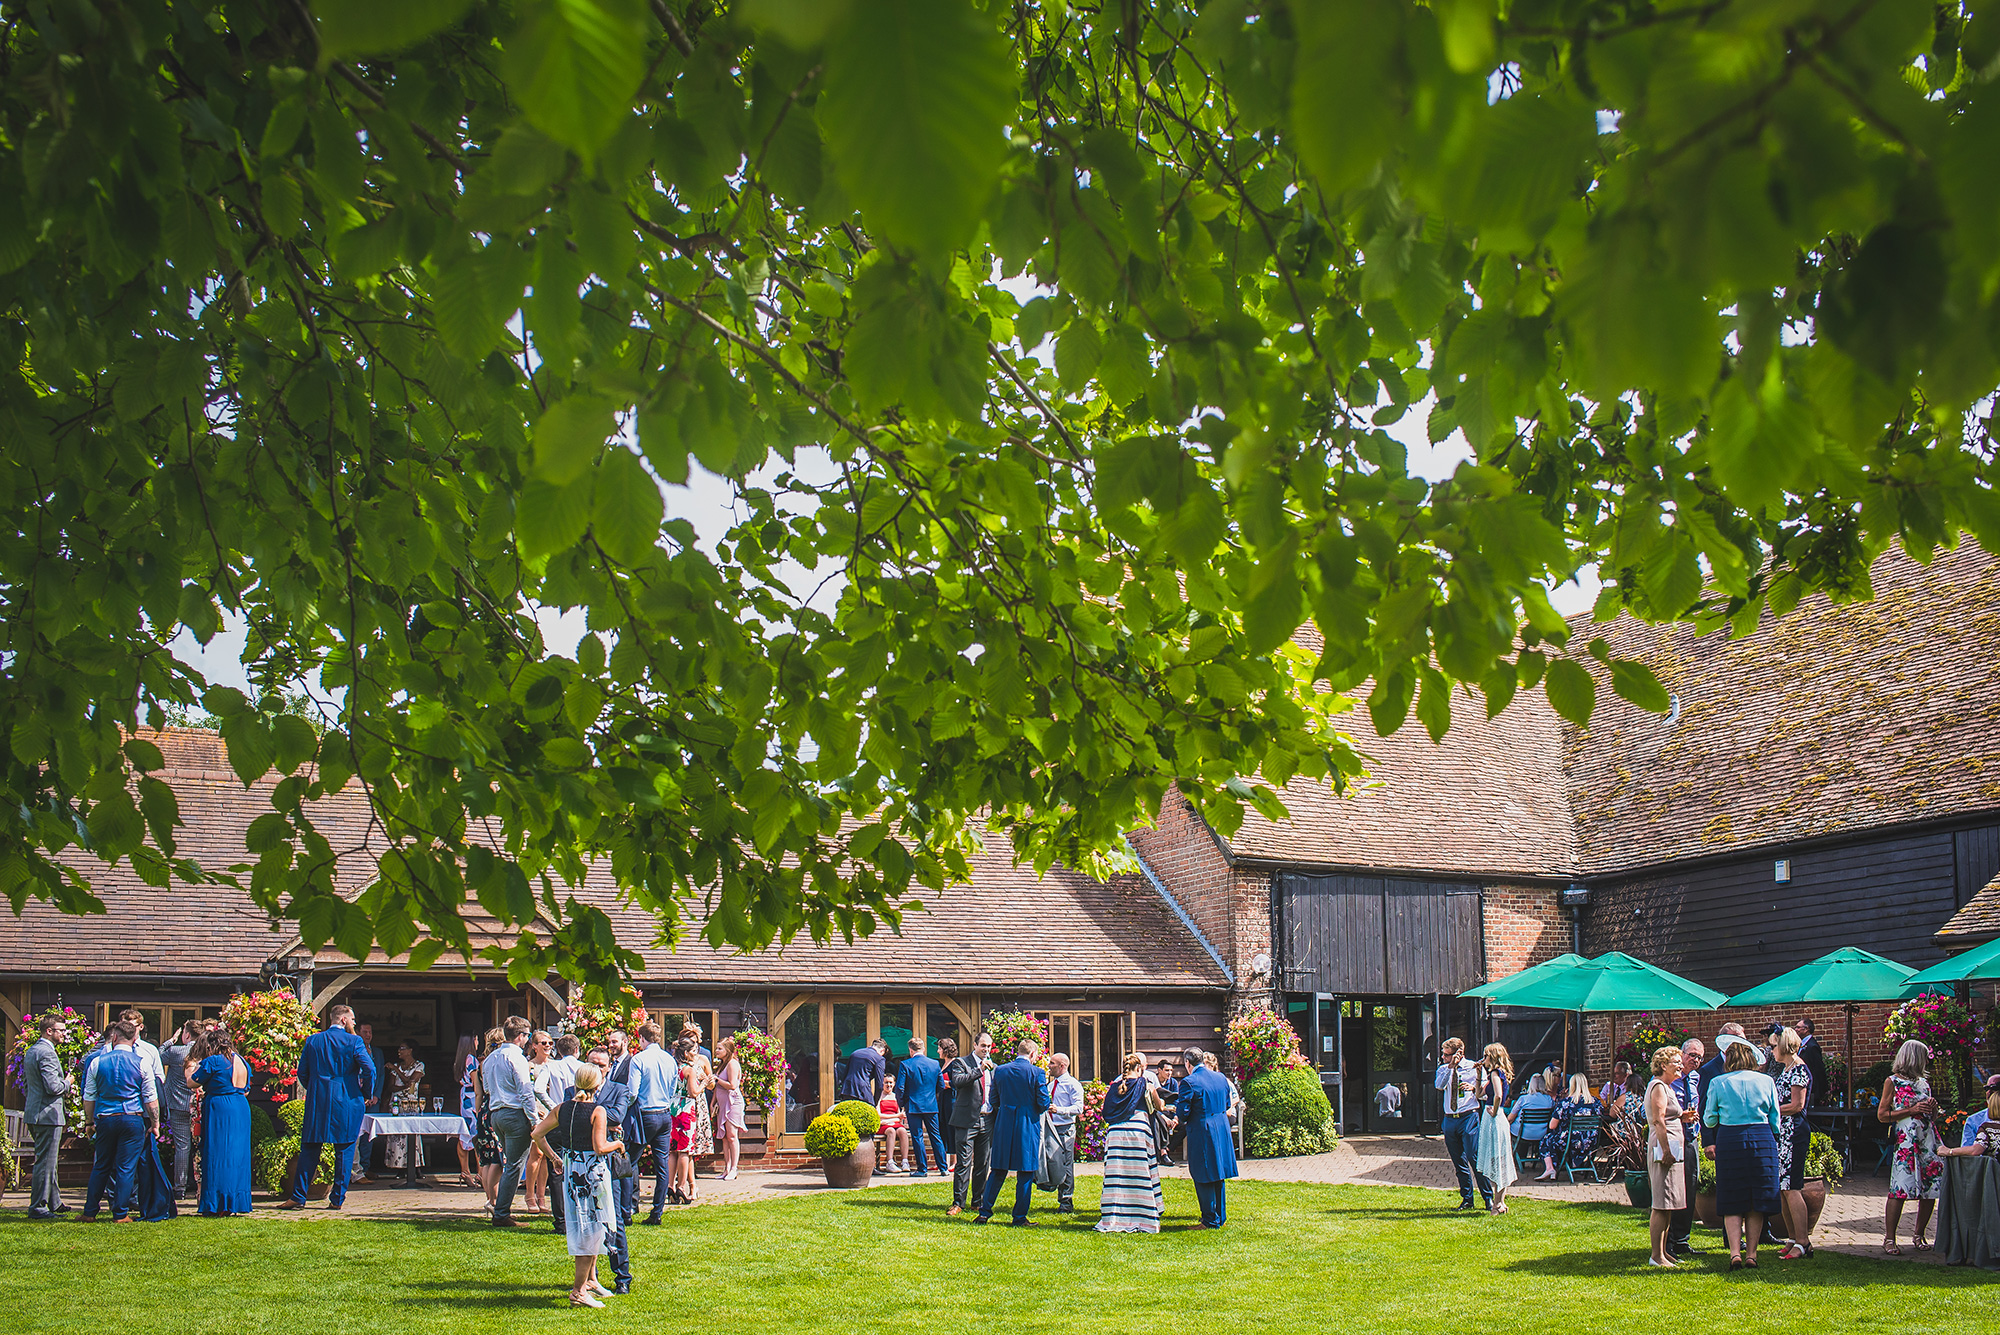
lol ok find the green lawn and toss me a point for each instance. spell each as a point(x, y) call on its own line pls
point(1294, 1257)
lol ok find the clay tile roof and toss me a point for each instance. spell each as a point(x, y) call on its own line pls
point(1839, 717)
point(1975, 924)
point(1488, 799)
point(1008, 928)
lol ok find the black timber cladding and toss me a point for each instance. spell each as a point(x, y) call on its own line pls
point(1378, 935)
point(1978, 860)
point(1730, 925)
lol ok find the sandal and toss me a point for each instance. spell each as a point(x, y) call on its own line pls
point(1735, 1263)
point(1922, 1244)
point(1889, 1248)
point(1795, 1252)
point(1749, 1263)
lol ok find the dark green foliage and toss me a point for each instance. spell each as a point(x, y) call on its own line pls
point(1288, 1114)
point(866, 1120)
point(1709, 292)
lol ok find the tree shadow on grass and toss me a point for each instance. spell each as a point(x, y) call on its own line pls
point(470, 1293)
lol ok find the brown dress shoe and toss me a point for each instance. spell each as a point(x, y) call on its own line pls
point(954, 1211)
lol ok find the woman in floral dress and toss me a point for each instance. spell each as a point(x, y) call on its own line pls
point(1793, 1080)
point(1560, 1143)
point(1915, 1171)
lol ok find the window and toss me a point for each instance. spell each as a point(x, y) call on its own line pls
point(162, 1021)
point(820, 1033)
point(1093, 1040)
point(670, 1022)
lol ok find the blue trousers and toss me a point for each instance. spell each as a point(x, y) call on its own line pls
point(925, 1124)
point(1214, 1198)
point(1461, 1137)
point(343, 1167)
point(120, 1140)
point(657, 1130)
point(1024, 1187)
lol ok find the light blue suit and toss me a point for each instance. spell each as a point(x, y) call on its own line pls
point(336, 1074)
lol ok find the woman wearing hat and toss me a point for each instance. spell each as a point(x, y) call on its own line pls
point(1742, 1104)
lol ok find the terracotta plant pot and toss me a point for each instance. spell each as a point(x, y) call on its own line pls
point(1639, 1187)
point(315, 1191)
point(1814, 1189)
point(855, 1169)
point(1704, 1210)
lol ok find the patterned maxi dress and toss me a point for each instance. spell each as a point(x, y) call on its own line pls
point(1795, 1137)
point(1132, 1200)
point(589, 1210)
point(1915, 1170)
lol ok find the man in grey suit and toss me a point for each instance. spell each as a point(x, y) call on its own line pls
point(42, 1072)
point(177, 1103)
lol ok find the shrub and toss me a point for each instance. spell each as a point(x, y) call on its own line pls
point(831, 1136)
point(261, 1127)
point(291, 1116)
point(1704, 1175)
point(1261, 1040)
point(1823, 1160)
point(1289, 1114)
point(866, 1120)
point(269, 1161)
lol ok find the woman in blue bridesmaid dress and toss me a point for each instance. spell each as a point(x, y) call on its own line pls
point(222, 1077)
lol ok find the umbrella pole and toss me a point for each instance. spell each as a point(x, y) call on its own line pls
point(1853, 1123)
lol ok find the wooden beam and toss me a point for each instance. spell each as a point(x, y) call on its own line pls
point(323, 996)
point(553, 997)
point(8, 1008)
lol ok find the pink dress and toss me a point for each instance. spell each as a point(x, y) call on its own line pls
point(729, 1102)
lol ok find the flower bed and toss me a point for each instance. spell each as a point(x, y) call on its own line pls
point(269, 1029)
point(1090, 1125)
point(80, 1039)
point(592, 1024)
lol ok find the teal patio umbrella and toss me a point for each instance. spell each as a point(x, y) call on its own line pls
point(1614, 981)
point(1972, 965)
point(1848, 975)
point(1556, 965)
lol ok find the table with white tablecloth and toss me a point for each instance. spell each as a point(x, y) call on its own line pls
point(410, 1128)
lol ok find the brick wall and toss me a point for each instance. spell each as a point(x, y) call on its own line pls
point(1184, 855)
point(1525, 926)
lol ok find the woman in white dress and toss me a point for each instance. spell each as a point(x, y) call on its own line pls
point(1495, 1161)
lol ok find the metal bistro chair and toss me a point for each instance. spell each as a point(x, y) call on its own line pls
point(1578, 1142)
point(1528, 1149)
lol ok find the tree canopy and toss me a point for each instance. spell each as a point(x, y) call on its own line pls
point(1062, 338)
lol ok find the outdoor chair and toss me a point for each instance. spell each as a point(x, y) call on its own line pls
point(1582, 1138)
point(1526, 1149)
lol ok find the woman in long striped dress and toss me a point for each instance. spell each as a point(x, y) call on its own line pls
point(1132, 1200)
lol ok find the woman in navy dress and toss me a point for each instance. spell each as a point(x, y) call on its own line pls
point(221, 1075)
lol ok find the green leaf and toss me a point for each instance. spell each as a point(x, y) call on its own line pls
point(1572, 691)
point(1344, 98)
point(918, 95)
point(570, 435)
point(143, 754)
point(802, 23)
point(1434, 703)
point(370, 249)
point(281, 131)
point(1635, 681)
point(1078, 349)
point(574, 66)
point(295, 742)
point(627, 513)
point(552, 519)
point(282, 202)
point(380, 27)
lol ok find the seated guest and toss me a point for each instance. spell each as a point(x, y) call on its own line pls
point(1982, 1136)
point(1612, 1095)
point(1560, 1141)
point(1536, 1099)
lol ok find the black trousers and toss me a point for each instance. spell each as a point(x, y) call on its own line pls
point(968, 1172)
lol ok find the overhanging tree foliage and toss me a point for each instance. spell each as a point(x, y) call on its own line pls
point(374, 324)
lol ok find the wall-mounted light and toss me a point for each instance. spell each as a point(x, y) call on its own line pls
point(1781, 871)
point(1260, 963)
point(1575, 896)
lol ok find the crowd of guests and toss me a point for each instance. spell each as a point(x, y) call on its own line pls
point(159, 1119)
point(1745, 1109)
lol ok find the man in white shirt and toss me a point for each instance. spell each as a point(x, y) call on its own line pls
point(1065, 1106)
point(511, 1097)
point(1459, 1079)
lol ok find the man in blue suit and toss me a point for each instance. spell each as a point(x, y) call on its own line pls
point(335, 1077)
point(917, 1093)
point(1203, 1111)
point(1020, 1097)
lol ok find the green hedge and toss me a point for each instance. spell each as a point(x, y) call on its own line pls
point(866, 1120)
point(1289, 1115)
point(831, 1136)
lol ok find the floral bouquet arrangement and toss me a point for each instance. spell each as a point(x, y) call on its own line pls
point(269, 1028)
point(1649, 1034)
point(762, 1056)
point(1261, 1040)
point(1951, 1031)
point(593, 1024)
point(78, 1041)
point(1010, 1027)
point(1090, 1127)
